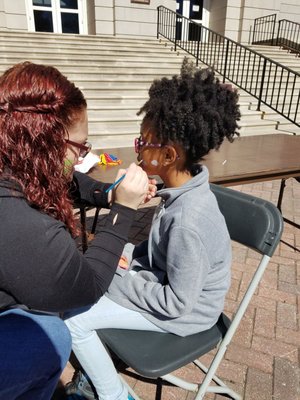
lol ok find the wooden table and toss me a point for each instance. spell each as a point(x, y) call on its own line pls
point(248, 159)
point(254, 159)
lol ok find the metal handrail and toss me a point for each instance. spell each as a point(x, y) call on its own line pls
point(270, 82)
point(264, 30)
point(287, 34)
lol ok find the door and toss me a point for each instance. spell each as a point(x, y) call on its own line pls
point(194, 10)
point(59, 16)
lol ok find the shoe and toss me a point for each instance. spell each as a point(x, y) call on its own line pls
point(80, 388)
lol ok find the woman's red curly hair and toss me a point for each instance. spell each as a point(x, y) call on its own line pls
point(37, 106)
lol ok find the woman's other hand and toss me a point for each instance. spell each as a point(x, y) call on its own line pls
point(132, 190)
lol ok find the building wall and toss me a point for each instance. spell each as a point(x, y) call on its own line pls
point(104, 21)
point(217, 18)
point(240, 15)
point(235, 18)
point(290, 9)
point(90, 9)
point(13, 15)
point(232, 18)
point(254, 9)
point(123, 18)
point(2, 15)
point(233, 15)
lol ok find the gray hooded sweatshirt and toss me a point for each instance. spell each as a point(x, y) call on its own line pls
point(183, 269)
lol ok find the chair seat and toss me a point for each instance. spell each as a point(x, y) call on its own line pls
point(154, 354)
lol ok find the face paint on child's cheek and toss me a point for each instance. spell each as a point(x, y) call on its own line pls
point(154, 163)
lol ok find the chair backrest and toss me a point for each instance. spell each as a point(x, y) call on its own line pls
point(251, 221)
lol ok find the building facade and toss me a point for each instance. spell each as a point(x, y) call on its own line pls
point(137, 18)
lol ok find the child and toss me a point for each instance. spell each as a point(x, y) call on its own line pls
point(177, 280)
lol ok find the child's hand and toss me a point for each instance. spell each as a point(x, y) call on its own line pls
point(152, 189)
point(123, 263)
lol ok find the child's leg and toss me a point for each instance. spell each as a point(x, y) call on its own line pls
point(34, 348)
point(90, 351)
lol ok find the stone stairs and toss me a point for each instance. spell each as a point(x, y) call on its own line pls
point(291, 61)
point(115, 75)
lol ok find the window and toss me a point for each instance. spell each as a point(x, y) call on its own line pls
point(59, 16)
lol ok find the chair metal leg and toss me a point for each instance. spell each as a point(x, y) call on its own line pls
point(192, 387)
point(158, 393)
point(222, 388)
point(231, 330)
point(83, 229)
point(95, 220)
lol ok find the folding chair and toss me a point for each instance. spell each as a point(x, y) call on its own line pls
point(251, 221)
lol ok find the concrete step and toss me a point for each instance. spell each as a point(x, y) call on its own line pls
point(97, 55)
point(108, 93)
point(121, 115)
point(73, 39)
point(108, 103)
point(120, 84)
point(288, 128)
point(250, 115)
point(93, 60)
point(115, 75)
point(96, 47)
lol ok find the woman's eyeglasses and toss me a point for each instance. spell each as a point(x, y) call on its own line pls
point(84, 149)
point(139, 144)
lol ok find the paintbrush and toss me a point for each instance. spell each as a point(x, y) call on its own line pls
point(119, 180)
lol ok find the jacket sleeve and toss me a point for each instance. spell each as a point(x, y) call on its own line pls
point(85, 189)
point(186, 276)
point(57, 277)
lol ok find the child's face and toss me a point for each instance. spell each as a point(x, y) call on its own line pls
point(150, 151)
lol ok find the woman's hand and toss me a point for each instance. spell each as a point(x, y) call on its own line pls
point(132, 190)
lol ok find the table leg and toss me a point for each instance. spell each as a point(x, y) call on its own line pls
point(282, 186)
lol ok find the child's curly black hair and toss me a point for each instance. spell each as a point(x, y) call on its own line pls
point(192, 109)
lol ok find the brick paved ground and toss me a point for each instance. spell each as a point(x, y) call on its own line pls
point(262, 362)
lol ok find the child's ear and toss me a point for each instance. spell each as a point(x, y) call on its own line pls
point(170, 155)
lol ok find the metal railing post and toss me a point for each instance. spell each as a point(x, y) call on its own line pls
point(261, 85)
point(278, 31)
point(273, 33)
point(198, 44)
point(254, 31)
point(250, 33)
point(176, 31)
point(225, 62)
point(158, 22)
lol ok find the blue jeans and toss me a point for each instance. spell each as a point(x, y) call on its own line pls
point(90, 351)
point(34, 349)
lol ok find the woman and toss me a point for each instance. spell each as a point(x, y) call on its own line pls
point(43, 131)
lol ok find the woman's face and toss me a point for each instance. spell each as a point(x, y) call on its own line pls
point(78, 133)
